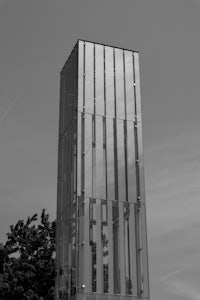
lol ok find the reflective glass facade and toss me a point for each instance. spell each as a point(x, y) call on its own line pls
point(101, 245)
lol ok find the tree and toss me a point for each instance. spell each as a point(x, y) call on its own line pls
point(27, 263)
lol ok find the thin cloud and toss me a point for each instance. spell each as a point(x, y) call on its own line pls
point(184, 289)
point(170, 275)
point(12, 104)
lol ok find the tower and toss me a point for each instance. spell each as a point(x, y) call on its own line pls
point(101, 239)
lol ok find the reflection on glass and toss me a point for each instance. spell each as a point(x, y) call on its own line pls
point(88, 155)
point(110, 159)
point(109, 79)
point(130, 101)
point(100, 183)
point(93, 251)
point(119, 75)
point(132, 247)
point(121, 160)
point(89, 77)
point(99, 83)
point(79, 155)
point(80, 76)
point(132, 193)
point(104, 210)
point(105, 257)
point(127, 249)
point(116, 270)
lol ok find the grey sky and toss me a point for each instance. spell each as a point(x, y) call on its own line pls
point(36, 38)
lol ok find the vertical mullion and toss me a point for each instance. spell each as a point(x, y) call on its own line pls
point(99, 251)
point(122, 244)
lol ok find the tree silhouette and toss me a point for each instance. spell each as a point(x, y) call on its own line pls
point(27, 264)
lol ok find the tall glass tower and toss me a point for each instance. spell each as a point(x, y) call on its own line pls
point(101, 243)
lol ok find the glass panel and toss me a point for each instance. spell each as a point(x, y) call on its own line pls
point(93, 209)
point(99, 249)
point(121, 161)
point(109, 79)
point(104, 210)
point(130, 99)
point(110, 159)
point(132, 190)
point(88, 155)
point(89, 77)
point(93, 241)
point(105, 257)
point(127, 249)
point(110, 247)
point(80, 76)
point(119, 74)
point(100, 182)
point(75, 159)
point(116, 270)
point(121, 247)
point(93, 251)
point(137, 86)
point(105, 157)
point(99, 83)
point(132, 248)
point(145, 280)
point(87, 251)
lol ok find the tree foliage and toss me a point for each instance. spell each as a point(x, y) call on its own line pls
point(27, 264)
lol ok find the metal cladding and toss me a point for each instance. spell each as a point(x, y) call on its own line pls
point(101, 240)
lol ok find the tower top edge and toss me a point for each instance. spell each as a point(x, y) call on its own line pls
point(106, 45)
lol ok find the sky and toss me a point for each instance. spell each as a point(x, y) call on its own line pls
point(36, 38)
